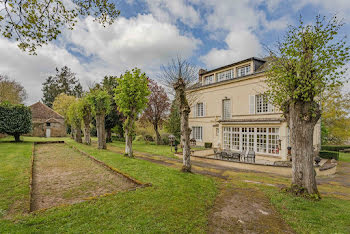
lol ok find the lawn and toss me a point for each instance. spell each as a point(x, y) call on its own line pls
point(344, 157)
point(151, 148)
point(176, 202)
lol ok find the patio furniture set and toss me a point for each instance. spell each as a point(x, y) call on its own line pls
point(239, 156)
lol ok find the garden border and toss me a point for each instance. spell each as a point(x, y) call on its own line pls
point(138, 183)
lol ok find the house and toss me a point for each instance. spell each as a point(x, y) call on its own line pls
point(231, 111)
point(47, 122)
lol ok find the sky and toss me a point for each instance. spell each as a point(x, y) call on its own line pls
point(148, 33)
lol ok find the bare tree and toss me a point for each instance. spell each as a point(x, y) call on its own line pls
point(181, 75)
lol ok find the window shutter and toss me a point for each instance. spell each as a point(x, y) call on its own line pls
point(195, 110)
point(204, 109)
point(251, 104)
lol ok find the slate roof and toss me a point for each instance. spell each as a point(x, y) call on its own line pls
point(41, 111)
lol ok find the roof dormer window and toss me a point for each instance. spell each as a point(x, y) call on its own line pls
point(209, 79)
point(226, 75)
point(243, 71)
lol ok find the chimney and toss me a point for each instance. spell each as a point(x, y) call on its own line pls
point(200, 72)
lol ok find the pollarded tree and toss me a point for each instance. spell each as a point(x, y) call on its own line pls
point(85, 112)
point(100, 102)
point(157, 108)
point(180, 75)
point(308, 61)
point(131, 98)
point(75, 119)
point(15, 119)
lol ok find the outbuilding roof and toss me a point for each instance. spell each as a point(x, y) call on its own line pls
point(41, 111)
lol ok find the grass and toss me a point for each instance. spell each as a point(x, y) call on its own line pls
point(177, 202)
point(152, 148)
point(15, 161)
point(344, 157)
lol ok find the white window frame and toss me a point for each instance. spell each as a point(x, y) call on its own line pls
point(209, 79)
point(243, 71)
point(226, 110)
point(197, 133)
point(225, 75)
point(199, 109)
point(263, 140)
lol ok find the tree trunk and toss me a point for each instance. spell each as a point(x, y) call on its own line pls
point(100, 127)
point(17, 137)
point(185, 130)
point(87, 137)
point(301, 124)
point(109, 135)
point(78, 135)
point(72, 134)
point(158, 138)
point(128, 139)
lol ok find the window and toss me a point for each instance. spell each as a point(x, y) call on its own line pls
point(217, 131)
point(199, 109)
point(273, 144)
point(48, 124)
point(262, 104)
point(226, 109)
point(261, 139)
point(226, 75)
point(242, 71)
point(209, 79)
point(197, 133)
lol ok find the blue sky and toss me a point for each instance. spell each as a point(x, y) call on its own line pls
point(149, 33)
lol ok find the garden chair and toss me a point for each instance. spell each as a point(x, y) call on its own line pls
point(250, 156)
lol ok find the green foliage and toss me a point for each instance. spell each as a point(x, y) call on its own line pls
point(34, 23)
point(335, 116)
point(63, 82)
point(329, 154)
point(335, 147)
point(62, 103)
point(208, 145)
point(84, 110)
point(131, 94)
point(15, 119)
point(173, 125)
point(11, 91)
point(100, 101)
point(309, 60)
point(74, 117)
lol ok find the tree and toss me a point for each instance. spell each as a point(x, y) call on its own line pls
point(34, 23)
point(308, 61)
point(157, 108)
point(15, 119)
point(335, 116)
point(131, 99)
point(75, 119)
point(114, 117)
point(100, 103)
point(62, 102)
point(63, 82)
point(180, 75)
point(173, 124)
point(11, 91)
point(85, 112)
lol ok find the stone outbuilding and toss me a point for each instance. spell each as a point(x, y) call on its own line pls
point(47, 122)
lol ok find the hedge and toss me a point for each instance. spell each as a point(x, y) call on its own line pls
point(335, 147)
point(208, 145)
point(329, 154)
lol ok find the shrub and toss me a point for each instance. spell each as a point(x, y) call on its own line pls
point(208, 145)
point(148, 138)
point(15, 120)
point(165, 139)
point(335, 147)
point(139, 138)
point(329, 154)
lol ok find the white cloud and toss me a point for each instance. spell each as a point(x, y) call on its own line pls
point(241, 45)
point(142, 41)
point(171, 10)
